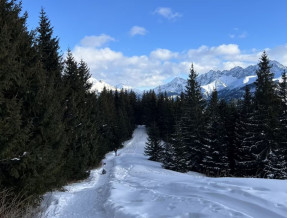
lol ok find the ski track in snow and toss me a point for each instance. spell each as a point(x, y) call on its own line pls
point(136, 187)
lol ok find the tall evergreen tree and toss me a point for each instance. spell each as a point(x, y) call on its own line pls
point(165, 117)
point(75, 117)
point(49, 128)
point(278, 169)
point(192, 122)
point(175, 151)
point(215, 162)
point(266, 117)
point(230, 117)
point(149, 108)
point(48, 48)
point(21, 78)
point(283, 115)
point(13, 35)
point(245, 137)
point(153, 147)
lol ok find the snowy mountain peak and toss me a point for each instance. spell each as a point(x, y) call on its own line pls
point(234, 78)
point(276, 64)
point(98, 85)
point(178, 80)
point(177, 85)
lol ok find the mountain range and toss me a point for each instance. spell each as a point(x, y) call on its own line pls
point(228, 83)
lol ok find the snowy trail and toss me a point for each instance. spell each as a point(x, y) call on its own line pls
point(84, 199)
point(136, 187)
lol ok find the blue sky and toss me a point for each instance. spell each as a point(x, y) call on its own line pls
point(144, 43)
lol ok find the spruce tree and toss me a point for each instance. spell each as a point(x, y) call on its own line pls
point(49, 127)
point(192, 122)
point(149, 108)
point(48, 48)
point(175, 151)
point(165, 117)
point(215, 162)
point(266, 117)
point(107, 116)
point(12, 136)
point(245, 134)
point(168, 159)
point(76, 118)
point(283, 116)
point(279, 155)
point(153, 147)
point(230, 117)
point(21, 78)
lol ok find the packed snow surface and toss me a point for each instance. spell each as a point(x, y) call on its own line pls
point(136, 187)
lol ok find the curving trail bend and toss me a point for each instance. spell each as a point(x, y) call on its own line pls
point(136, 187)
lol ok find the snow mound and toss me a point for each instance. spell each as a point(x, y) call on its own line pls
point(137, 187)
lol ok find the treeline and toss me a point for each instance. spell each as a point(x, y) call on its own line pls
point(52, 128)
point(244, 138)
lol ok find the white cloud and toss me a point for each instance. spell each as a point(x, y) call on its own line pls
point(151, 70)
point(222, 57)
point(230, 49)
point(96, 41)
point(163, 54)
point(167, 13)
point(279, 54)
point(138, 30)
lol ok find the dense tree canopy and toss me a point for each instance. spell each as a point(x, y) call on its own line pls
point(53, 129)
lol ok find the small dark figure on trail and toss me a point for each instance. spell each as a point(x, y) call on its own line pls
point(104, 171)
point(116, 151)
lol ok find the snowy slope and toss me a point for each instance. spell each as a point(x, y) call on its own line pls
point(177, 85)
point(236, 77)
point(137, 187)
point(98, 85)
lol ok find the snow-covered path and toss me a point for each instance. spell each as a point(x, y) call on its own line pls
point(136, 187)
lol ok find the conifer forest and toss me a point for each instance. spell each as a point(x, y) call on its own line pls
point(54, 130)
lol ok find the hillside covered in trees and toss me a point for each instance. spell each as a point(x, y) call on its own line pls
point(244, 138)
point(52, 128)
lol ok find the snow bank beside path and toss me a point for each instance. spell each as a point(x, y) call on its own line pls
point(84, 199)
point(141, 188)
point(137, 187)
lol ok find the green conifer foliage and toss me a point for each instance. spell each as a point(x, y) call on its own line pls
point(265, 117)
point(245, 137)
point(153, 147)
point(215, 162)
point(192, 122)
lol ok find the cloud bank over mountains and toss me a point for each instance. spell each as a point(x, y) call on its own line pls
point(161, 64)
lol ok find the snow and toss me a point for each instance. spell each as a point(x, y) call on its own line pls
point(235, 78)
point(247, 79)
point(136, 187)
point(99, 85)
point(177, 85)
